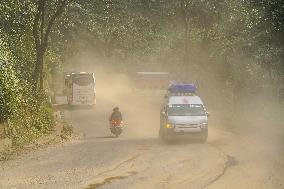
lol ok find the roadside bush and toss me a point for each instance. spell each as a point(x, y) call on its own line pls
point(28, 113)
point(67, 130)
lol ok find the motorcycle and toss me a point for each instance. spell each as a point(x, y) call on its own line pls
point(116, 127)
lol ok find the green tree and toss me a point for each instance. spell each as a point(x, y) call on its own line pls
point(44, 20)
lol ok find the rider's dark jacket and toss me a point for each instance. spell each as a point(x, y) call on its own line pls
point(116, 115)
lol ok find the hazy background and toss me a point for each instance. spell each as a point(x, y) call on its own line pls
point(232, 50)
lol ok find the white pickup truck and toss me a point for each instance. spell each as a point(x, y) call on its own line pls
point(183, 115)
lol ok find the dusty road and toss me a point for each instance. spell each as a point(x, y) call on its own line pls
point(138, 159)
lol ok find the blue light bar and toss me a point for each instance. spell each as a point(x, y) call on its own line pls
point(182, 88)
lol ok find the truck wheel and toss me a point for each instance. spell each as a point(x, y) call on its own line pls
point(204, 136)
point(165, 138)
point(168, 140)
point(161, 132)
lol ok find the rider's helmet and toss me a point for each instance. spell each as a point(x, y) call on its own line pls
point(116, 108)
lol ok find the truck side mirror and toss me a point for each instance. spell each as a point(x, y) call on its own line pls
point(207, 113)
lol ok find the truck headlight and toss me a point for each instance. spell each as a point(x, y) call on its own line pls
point(169, 126)
point(203, 125)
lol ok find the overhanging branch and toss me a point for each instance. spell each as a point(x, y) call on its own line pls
point(57, 13)
point(42, 20)
point(35, 26)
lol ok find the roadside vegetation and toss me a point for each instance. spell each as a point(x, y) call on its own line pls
point(233, 50)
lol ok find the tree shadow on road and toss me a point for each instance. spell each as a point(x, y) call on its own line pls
point(157, 141)
point(109, 136)
point(184, 142)
point(61, 107)
point(99, 139)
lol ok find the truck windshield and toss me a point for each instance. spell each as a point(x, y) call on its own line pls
point(186, 110)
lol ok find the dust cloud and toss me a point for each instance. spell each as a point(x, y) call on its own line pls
point(259, 114)
point(140, 109)
point(256, 121)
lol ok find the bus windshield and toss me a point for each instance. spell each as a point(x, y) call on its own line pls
point(83, 79)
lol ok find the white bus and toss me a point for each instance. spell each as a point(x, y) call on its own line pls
point(80, 88)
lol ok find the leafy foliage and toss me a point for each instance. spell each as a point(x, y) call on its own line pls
point(238, 43)
point(28, 114)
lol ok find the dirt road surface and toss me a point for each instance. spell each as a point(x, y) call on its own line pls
point(139, 159)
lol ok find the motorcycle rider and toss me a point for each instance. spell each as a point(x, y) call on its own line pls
point(116, 115)
point(115, 120)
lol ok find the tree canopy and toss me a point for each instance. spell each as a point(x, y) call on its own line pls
point(238, 42)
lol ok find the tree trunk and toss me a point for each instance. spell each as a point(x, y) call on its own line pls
point(186, 47)
point(41, 37)
point(185, 20)
point(41, 77)
point(38, 68)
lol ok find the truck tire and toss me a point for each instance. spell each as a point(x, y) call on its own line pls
point(204, 136)
point(166, 139)
point(161, 132)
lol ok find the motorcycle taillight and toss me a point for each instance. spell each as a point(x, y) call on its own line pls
point(114, 122)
